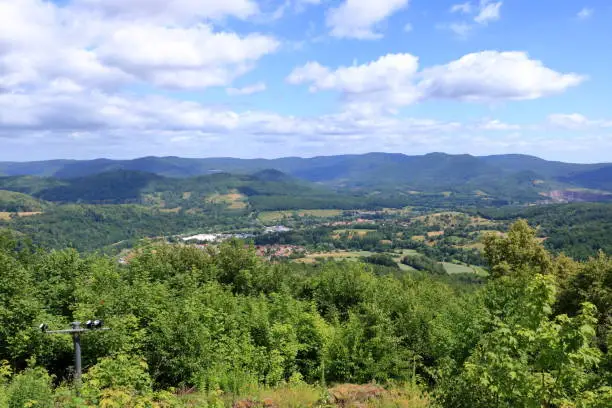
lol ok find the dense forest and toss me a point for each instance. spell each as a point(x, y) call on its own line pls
point(216, 327)
point(579, 230)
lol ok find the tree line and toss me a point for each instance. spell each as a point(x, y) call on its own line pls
point(222, 320)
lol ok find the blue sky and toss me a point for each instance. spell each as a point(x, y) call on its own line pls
point(271, 78)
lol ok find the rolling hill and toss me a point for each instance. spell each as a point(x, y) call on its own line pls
point(507, 177)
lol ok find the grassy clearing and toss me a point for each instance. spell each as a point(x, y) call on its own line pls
point(403, 211)
point(351, 232)
point(170, 210)
point(435, 233)
point(475, 245)
point(274, 216)
point(339, 255)
point(234, 200)
point(7, 215)
point(186, 195)
point(452, 268)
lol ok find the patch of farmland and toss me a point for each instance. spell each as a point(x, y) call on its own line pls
point(338, 255)
point(234, 200)
point(452, 268)
point(275, 216)
point(7, 215)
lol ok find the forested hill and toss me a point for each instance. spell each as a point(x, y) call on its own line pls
point(505, 175)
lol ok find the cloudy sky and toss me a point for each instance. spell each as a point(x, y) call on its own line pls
point(270, 78)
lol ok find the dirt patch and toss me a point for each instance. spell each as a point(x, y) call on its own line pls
point(170, 210)
point(435, 233)
point(186, 195)
point(7, 215)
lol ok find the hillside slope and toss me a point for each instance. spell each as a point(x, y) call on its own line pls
point(504, 176)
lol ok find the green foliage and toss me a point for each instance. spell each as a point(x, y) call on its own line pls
point(31, 388)
point(223, 322)
point(516, 253)
point(381, 259)
point(579, 230)
point(423, 263)
point(17, 202)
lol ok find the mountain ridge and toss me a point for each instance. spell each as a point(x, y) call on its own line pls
point(507, 176)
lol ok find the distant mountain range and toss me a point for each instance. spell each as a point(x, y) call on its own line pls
point(503, 176)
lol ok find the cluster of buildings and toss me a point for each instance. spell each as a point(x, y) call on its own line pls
point(216, 237)
point(272, 251)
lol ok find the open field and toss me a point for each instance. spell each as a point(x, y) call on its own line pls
point(351, 232)
point(273, 216)
point(7, 215)
point(339, 255)
point(451, 218)
point(398, 258)
point(452, 268)
point(170, 210)
point(234, 200)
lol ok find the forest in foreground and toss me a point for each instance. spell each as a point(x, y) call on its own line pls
point(222, 327)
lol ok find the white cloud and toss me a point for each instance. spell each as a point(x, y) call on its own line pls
point(585, 13)
point(185, 58)
point(247, 90)
point(385, 83)
point(359, 18)
point(394, 80)
point(465, 8)
point(485, 12)
point(171, 10)
point(460, 29)
point(107, 52)
point(84, 124)
point(388, 71)
point(494, 124)
point(491, 75)
point(576, 121)
point(489, 11)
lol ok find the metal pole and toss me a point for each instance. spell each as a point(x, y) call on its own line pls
point(75, 331)
point(77, 356)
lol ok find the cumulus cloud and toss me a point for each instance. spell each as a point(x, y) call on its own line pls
point(465, 8)
point(195, 57)
point(460, 29)
point(576, 121)
point(247, 90)
point(394, 80)
point(585, 13)
point(489, 11)
point(359, 18)
point(491, 75)
point(170, 10)
point(482, 13)
point(495, 124)
point(107, 52)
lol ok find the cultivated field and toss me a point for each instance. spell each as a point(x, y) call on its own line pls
point(339, 255)
point(352, 233)
point(234, 200)
point(7, 215)
point(452, 268)
point(274, 216)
